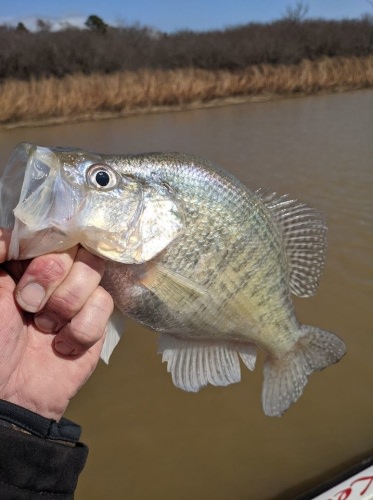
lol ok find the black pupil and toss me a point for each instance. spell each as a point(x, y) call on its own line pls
point(102, 178)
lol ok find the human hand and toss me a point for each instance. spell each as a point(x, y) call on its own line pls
point(53, 318)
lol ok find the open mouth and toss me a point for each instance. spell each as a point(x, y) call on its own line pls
point(37, 204)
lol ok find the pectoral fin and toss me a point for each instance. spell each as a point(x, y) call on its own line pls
point(114, 332)
point(172, 288)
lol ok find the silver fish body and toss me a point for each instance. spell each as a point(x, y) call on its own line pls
point(195, 255)
point(226, 270)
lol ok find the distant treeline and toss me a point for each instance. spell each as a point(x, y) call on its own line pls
point(104, 49)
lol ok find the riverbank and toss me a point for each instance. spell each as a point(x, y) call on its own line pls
point(80, 97)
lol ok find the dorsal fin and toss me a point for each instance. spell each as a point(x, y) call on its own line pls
point(305, 237)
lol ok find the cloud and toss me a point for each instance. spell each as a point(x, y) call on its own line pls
point(55, 24)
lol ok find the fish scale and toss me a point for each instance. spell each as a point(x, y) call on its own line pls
point(191, 253)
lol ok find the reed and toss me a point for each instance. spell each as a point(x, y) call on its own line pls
point(80, 96)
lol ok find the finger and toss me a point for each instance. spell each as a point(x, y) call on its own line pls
point(71, 295)
point(88, 327)
point(42, 276)
point(4, 243)
point(11, 326)
point(6, 282)
point(16, 268)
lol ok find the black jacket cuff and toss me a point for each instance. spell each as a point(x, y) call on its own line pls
point(39, 426)
point(39, 458)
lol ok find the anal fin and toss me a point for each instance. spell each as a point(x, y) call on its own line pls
point(195, 363)
point(247, 353)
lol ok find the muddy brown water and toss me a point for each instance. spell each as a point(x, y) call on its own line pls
point(149, 440)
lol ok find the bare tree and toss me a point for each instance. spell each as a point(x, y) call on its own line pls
point(298, 12)
point(43, 25)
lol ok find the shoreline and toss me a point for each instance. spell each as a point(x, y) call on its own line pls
point(80, 98)
point(216, 103)
point(102, 115)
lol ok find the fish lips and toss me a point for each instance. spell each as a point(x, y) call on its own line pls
point(38, 204)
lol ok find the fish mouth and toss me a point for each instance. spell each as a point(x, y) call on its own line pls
point(26, 154)
point(40, 188)
point(39, 204)
point(41, 162)
point(28, 167)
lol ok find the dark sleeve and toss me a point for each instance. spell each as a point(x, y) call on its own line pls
point(39, 457)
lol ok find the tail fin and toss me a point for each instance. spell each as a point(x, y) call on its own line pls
point(285, 378)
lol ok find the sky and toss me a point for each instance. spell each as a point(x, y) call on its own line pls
point(173, 15)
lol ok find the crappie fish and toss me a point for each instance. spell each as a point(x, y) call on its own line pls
point(191, 253)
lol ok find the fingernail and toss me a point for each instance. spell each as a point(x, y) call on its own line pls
point(63, 348)
point(46, 323)
point(31, 297)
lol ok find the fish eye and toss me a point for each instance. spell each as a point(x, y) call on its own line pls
point(101, 176)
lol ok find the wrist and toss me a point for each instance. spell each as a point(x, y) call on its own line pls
point(28, 421)
point(16, 398)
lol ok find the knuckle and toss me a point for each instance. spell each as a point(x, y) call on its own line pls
point(103, 300)
point(47, 269)
point(88, 326)
point(65, 304)
point(92, 324)
point(84, 337)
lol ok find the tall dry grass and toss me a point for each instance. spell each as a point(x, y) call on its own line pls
point(87, 96)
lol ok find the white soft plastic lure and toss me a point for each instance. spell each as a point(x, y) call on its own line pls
point(191, 252)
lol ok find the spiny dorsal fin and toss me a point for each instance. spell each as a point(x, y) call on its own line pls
point(305, 236)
